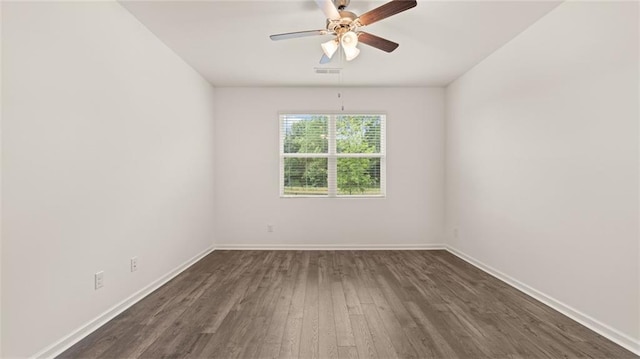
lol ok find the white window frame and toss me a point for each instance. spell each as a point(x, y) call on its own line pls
point(332, 156)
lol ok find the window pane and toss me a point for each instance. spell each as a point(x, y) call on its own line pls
point(358, 133)
point(305, 176)
point(305, 133)
point(359, 176)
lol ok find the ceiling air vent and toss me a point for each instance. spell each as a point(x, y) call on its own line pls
point(327, 70)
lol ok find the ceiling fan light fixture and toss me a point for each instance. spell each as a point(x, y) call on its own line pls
point(351, 53)
point(330, 47)
point(349, 39)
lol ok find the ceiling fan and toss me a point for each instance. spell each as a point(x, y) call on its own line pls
point(345, 26)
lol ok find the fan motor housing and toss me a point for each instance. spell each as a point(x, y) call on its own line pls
point(347, 15)
point(344, 24)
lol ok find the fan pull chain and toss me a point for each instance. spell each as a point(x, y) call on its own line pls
point(339, 92)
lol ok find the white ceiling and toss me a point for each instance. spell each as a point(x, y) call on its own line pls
point(228, 41)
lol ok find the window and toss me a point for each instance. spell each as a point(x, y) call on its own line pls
point(324, 155)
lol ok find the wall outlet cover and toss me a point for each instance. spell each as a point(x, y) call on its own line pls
point(99, 280)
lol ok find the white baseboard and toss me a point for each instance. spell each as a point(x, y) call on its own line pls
point(80, 333)
point(606, 331)
point(331, 247)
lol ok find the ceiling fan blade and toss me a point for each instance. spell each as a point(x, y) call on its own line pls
point(382, 12)
point(293, 35)
point(377, 42)
point(325, 59)
point(329, 9)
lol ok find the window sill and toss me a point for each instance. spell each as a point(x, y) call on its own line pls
point(336, 197)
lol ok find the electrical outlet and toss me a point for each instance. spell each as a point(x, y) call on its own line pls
point(269, 227)
point(455, 233)
point(134, 264)
point(99, 280)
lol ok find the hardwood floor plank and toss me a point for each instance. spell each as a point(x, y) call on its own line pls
point(238, 320)
point(349, 281)
point(296, 309)
point(99, 341)
point(327, 343)
point(381, 340)
point(310, 326)
point(290, 344)
point(159, 322)
point(340, 304)
point(432, 333)
point(392, 293)
point(344, 332)
point(257, 311)
point(347, 353)
point(421, 342)
point(393, 327)
point(361, 277)
point(270, 351)
point(290, 347)
point(280, 313)
point(362, 337)
point(196, 345)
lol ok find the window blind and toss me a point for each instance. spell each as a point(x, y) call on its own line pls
point(326, 155)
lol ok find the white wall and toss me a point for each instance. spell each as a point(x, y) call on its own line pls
point(542, 161)
point(1, 86)
point(247, 192)
point(107, 154)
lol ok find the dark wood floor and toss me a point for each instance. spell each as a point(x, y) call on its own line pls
point(340, 304)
